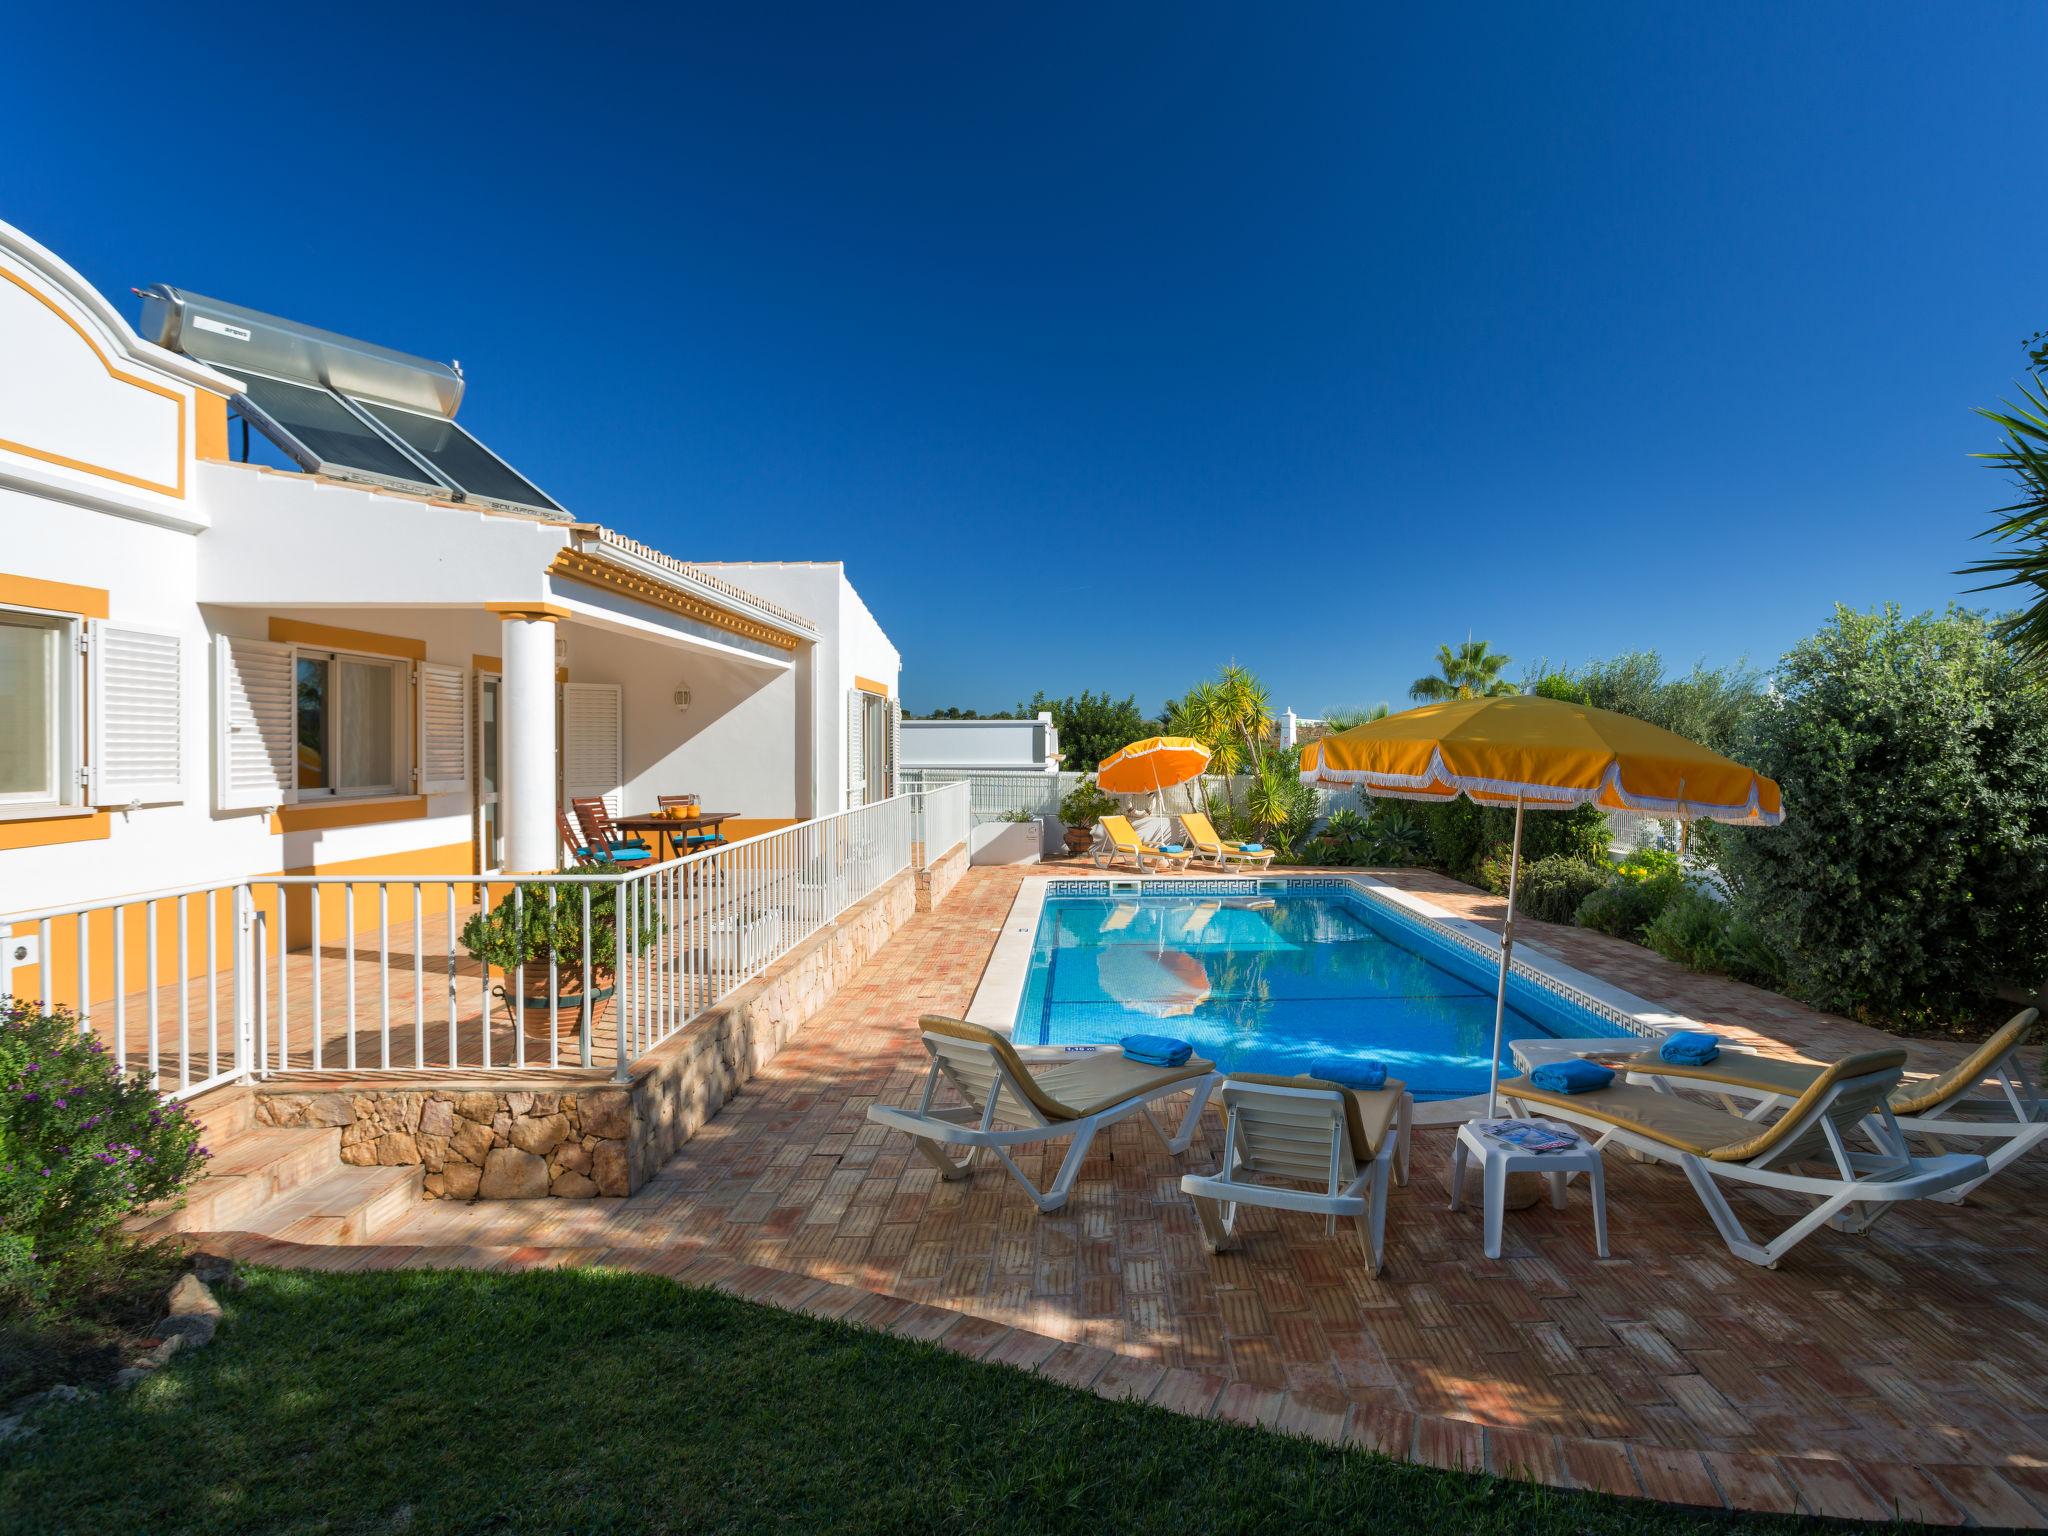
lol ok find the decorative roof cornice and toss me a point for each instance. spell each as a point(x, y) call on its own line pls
point(646, 581)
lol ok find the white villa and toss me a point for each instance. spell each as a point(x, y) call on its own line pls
point(373, 669)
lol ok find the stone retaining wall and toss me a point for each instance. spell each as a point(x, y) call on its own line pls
point(936, 883)
point(494, 1141)
point(688, 1078)
point(477, 1144)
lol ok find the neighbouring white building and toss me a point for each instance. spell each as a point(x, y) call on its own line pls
point(982, 746)
point(397, 656)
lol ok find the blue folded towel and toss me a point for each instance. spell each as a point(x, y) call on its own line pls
point(1573, 1075)
point(1352, 1074)
point(1169, 847)
point(1157, 1050)
point(1689, 1047)
point(1251, 847)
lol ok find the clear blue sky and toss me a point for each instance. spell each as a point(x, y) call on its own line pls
point(1107, 344)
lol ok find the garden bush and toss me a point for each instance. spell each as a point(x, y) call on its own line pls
point(81, 1147)
point(1912, 868)
point(1551, 889)
point(1462, 835)
point(1693, 930)
point(1627, 904)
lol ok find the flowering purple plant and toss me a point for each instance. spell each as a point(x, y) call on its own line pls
point(74, 1162)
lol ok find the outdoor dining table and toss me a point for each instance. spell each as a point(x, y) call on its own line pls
point(674, 828)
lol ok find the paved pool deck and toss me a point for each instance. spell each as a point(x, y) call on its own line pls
point(1897, 1373)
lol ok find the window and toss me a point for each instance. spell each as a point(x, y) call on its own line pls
point(347, 724)
point(38, 711)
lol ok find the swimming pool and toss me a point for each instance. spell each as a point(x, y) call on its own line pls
point(1275, 976)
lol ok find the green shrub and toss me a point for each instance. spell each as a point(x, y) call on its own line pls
point(81, 1147)
point(1626, 907)
point(1462, 835)
point(1911, 871)
point(1395, 836)
point(1750, 954)
point(1693, 930)
point(1551, 889)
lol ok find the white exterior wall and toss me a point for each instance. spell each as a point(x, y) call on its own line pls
point(736, 744)
point(851, 644)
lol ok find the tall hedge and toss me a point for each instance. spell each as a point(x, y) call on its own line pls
point(1911, 872)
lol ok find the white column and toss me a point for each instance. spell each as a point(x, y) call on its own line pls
point(527, 797)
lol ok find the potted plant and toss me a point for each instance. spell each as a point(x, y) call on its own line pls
point(525, 929)
point(1085, 804)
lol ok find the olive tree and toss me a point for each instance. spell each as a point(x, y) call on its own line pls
point(1911, 871)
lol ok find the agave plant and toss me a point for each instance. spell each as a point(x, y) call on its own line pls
point(2024, 524)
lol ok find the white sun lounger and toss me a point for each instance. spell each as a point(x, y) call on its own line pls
point(1309, 1131)
point(1925, 1111)
point(1008, 1105)
point(1715, 1147)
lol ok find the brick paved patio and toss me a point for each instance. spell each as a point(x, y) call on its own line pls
point(1900, 1370)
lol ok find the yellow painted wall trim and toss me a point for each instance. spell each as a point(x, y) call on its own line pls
point(579, 565)
point(48, 831)
point(320, 816)
point(172, 395)
point(57, 596)
point(539, 612)
point(869, 685)
point(210, 427)
point(753, 826)
point(299, 632)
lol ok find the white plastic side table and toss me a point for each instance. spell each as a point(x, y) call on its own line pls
point(1498, 1159)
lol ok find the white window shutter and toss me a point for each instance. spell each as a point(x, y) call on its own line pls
point(856, 749)
point(444, 728)
point(255, 747)
point(892, 748)
point(135, 748)
point(593, 756)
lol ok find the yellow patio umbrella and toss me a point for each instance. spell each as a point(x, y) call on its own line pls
point(1535, 753)
point(1154, 764)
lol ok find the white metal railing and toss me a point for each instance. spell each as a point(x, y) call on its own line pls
point(943, 814)
point(207, 984)
point(693, 930)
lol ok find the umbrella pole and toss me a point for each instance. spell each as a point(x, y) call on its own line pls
point(1507, 951)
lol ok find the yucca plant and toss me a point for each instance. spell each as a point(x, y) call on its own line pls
point(2024, 524)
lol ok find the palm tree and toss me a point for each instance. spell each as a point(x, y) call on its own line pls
point(2024, 523)
point(1468, 671)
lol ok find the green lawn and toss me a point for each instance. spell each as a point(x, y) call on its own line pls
point(595, 1401)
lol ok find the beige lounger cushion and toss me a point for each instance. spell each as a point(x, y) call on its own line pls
point(1681, 1123)
point(1796, 1077)
point(1075, 1089)
point(1695, 1128)
point(1369, 1113)
point(1751, 1071)
point(1918, 1098)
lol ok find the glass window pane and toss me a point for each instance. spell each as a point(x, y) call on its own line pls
point(331, 430)
point(28, 711)
point(488, 729)
point(362, 726)
point(460, 457)
point(312, 724)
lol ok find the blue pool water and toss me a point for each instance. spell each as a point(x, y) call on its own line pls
point(1279, 981)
